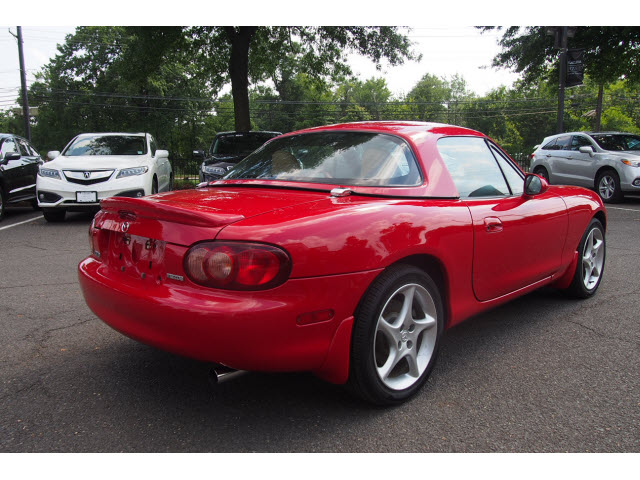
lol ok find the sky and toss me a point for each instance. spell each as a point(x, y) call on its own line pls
point(442, 32)
point(445, 51)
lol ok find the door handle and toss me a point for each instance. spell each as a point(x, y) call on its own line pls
point(492, 224)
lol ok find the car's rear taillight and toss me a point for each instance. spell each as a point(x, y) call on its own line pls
point(237, 265)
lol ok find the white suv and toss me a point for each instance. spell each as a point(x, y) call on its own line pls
point(94, 166)
point(608, 162)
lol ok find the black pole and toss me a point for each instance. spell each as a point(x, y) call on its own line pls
point(563, 76)
point(23, 81)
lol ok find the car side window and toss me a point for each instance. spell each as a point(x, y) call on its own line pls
point(7, 147)
point(579, 141)
point(24, 148)
point(472, 167)
point(563, 143)
point(551, 145)
point(514, 177)
point(154, 146)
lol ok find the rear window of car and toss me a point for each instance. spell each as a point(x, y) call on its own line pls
point(107, 145)
point(340, 158)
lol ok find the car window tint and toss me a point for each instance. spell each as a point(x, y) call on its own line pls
point(514, 176)
point(579, 141)
point(551, 145)
point(8, 146)
point(617, 142)
point(473, 168)
point(24, 150)
point(563, 143)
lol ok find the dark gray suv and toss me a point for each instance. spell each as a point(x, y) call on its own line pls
point(227, 149)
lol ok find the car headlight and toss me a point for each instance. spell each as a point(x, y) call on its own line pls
point(49, 173)
point(632, 163)
point(214, 170)
point(130, 172)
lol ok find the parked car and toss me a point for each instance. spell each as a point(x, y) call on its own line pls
point(19, 163)
point(344, 250)
point(94, 166)
point(227, 149)
point(607, 162)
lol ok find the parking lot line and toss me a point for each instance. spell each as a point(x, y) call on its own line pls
point(626, 209)
point(20, 223)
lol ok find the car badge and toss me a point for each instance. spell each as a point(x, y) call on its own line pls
point(87, 174)
point(124, 227)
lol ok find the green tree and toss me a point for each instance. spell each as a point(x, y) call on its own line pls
point(122, 78)
point(254, 54)
point(610, 53)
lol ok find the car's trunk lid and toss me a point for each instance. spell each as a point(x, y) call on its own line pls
point(204, 211)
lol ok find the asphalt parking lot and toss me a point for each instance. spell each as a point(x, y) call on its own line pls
point(541, 374)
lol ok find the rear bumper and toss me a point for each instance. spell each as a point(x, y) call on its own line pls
point(242, 330)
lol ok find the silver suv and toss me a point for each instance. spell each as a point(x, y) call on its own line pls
point(608, 162)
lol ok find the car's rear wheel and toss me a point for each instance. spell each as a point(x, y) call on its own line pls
point(396, 334)
point(54, 214)
point(591, 259)
point(542, 172)
point(608, 185)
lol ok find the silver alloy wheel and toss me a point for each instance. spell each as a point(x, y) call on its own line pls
point(405, 336)
point(607, 186)
point(592, 258)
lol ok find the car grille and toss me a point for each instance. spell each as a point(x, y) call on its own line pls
point(87, 177)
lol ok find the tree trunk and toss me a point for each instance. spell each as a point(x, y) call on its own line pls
point(240, 39)
point(599, 108)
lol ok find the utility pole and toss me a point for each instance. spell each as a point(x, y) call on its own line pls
point(563, 77)
point(561, 35)
point(23, 82)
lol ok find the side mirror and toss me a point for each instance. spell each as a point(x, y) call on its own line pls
point(198, 154)
point(162, 154)
point(11, 156)
point(534, 185)
point(53, 154)
point(587, 149)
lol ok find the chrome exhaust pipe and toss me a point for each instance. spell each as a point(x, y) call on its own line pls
point(221, 374)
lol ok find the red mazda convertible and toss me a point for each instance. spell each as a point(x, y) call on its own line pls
point(343, 250)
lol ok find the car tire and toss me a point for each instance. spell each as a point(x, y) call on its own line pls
point(54, 215)
point(34, 204)
point(1, 204)
point(608, 186)
point(543, 173)
point(591, 260)
point(154, 186)
point(391, 358)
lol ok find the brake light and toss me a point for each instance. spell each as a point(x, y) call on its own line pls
point(237, 265)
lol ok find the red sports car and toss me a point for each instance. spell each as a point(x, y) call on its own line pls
point(343, 250)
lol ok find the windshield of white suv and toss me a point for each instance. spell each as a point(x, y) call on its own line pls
point(617, 142)
point(337, 158)
point(107, 145)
